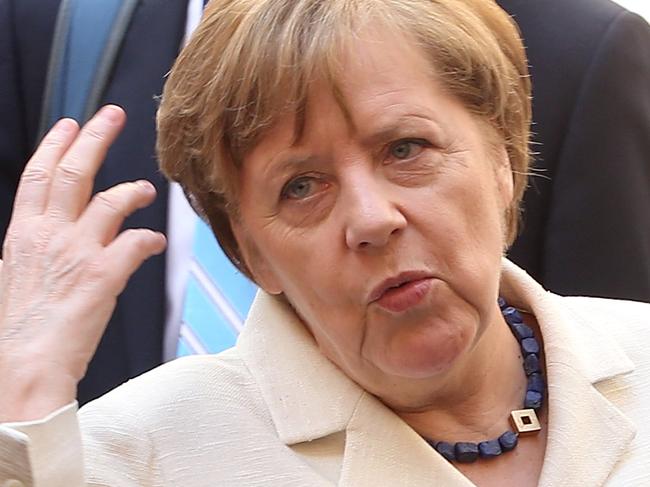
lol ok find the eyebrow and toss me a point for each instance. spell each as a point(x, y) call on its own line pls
point(397, 128)
point(394, 129)
point(286, 165)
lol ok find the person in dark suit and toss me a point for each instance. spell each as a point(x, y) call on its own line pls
point(586, 227)
point(586, 221)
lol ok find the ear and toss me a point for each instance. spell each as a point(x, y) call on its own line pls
point(257, 264)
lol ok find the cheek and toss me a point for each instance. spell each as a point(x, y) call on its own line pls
point(478, 255)
point(306, 267)
point(462, 233)
point(301, 258)
point(336, 325)
point(309, 270)
point(460, 218)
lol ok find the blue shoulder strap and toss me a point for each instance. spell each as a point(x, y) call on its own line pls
point(86, 41)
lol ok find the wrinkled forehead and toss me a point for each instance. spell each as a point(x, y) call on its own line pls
point(379, 80)
point(355, 65)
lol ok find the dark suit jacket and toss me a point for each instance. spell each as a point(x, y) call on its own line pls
point(587, 211)
point(587, 227)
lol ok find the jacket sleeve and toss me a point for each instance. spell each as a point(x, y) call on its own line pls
point(47, 452)
point(598, 232)
point(96, 447)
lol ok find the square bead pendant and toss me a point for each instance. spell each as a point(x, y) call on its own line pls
point(525, 421)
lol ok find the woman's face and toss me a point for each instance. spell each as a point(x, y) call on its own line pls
point(383, 228)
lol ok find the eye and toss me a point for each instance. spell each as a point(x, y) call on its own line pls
point(406, 149)
point(299, 188)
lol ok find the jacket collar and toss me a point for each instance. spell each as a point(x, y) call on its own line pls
point(293, 376)
point(381, 449)
point(587, 434)
point(566, 340)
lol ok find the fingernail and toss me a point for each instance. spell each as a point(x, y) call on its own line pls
point(65, 125)
point(146, 185)
point(111, 113)
point(162, 242)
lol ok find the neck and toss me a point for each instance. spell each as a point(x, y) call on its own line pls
point(475, 401)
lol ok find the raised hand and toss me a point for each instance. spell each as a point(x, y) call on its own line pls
point(64, 265)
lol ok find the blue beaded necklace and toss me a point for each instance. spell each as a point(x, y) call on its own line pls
point(524, 421)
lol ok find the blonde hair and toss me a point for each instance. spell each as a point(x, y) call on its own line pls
point(251, 61)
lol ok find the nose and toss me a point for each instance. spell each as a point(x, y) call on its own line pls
point(372, 217)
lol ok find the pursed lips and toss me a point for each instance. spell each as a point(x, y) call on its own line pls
point(400, 280)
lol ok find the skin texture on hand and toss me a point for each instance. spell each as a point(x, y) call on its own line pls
point(65, 263)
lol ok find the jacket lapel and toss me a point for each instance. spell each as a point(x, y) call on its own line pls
point(381, 449)
point(588, 434)
point(308, 397)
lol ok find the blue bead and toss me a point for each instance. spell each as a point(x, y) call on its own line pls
point(446, 450)
point(533, 400)
point(502, 303)
point(508, 441)
point(489, 449)
point(536, 383)
point(529, 345)
point(531, 364)
point(466, 452)
point(512, 316)
point(522, 331)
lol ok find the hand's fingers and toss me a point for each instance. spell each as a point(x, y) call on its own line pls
point(107, 210)
point(34, 187)
point(74, 175)
point(128, 251)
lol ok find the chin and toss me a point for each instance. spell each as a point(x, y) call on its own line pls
point(423, 355)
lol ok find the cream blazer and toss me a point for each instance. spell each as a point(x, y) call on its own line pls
point(273, 411)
